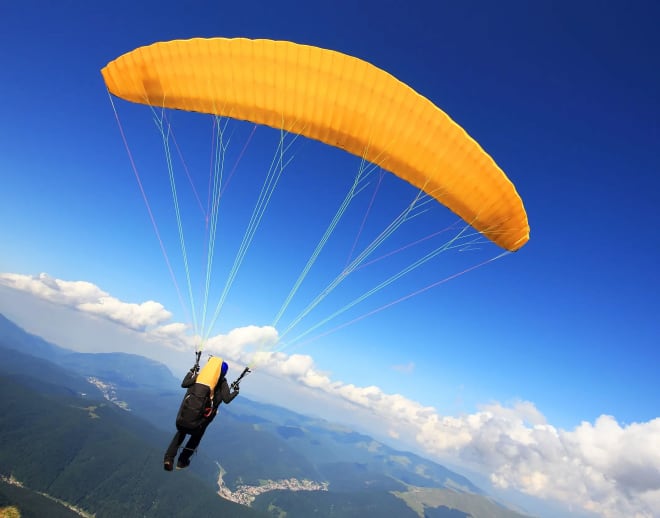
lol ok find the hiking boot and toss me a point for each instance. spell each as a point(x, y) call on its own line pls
point(182, 463)
point(168, 464)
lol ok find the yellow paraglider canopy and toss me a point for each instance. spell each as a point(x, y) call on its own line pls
point(336, 99)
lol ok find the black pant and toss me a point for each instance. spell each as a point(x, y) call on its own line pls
point(191, 445)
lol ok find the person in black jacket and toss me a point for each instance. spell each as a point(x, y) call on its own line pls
point(221, 394)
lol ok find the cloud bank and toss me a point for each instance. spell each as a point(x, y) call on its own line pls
point(87, 297)
point(604, 467)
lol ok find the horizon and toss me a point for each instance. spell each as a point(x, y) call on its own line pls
point(510, 500)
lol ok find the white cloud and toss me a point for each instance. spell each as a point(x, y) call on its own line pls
point(406, 368)
point(89, 298)
point(604, 467)
point(238, 344)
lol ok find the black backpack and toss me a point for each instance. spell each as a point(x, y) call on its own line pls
point(195, 407)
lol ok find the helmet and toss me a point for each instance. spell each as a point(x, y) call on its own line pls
point(224, 369)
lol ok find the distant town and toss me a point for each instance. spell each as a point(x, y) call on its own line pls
point(245, 494)
point(109, 391)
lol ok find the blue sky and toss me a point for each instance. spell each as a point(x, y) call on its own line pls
point(563, 95)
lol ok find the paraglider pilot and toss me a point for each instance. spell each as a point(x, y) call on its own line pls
point(206, 390)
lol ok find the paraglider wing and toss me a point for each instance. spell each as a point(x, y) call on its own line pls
point(337, 99)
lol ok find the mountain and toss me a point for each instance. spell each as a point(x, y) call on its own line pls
point(33, 503)
point(127, 370)
point(117, 412)
point(85, 451)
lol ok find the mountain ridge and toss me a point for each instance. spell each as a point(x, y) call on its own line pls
point(251, 442)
